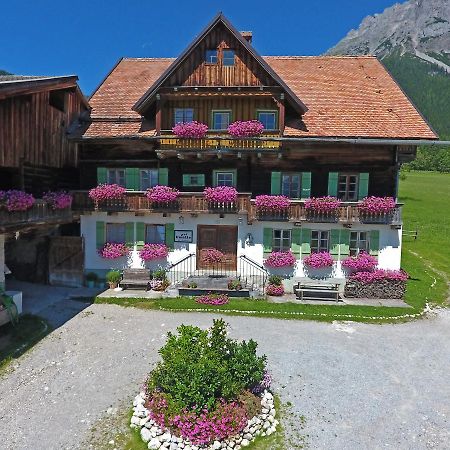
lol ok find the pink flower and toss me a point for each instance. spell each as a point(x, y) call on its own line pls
point(107, 192)
point(17, 200)
point(377, 205)
point(212, 256)
point(58, 200)
point(280, 259)
point(213, 299)
point(378, 275)
point(150, 252)
point(272, 202)
point(221, 194)
point(190, 129)
point(361, 262)
point(113, 250)
point(322, 204)
point(275, 290)
point(162, 194)
point(246, 128)
point(318, 260)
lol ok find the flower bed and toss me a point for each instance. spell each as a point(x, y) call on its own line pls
point(208, 391)
point(113, 250)
point(221, 194)
point(247, 128)
point(213, 299)
point(150, 252)
point(322, 204)
point(271, 203)
point(58, 200)
point(377, 205)
point(14, 200)
point(280, 259)
point(360, 263)
point(377, 284)
point(275, 290)
point(107, 192)
point(318, 260)
point(162, 194)
point(192, 129)
point(212, 256)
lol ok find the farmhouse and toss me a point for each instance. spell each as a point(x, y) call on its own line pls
point(281, 130)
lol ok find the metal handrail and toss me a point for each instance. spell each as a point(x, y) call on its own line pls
point(181, 260)
point(254, 263)
point(255, 275)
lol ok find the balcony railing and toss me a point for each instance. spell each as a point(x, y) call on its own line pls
point(221, 142)
point(39, 214)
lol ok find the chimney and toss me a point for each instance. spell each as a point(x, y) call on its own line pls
point(247, 35)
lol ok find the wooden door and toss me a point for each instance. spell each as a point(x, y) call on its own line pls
point(66, 261)
point(220, 237)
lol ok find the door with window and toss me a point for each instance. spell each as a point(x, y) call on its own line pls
point(220, 237)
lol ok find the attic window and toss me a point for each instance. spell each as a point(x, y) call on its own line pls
point(211, 56)
point(228, 58)
point(57, 100)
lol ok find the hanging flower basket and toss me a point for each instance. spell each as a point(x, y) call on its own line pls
point(280, 259)
point(360, 263)
point(212, 256)
point(113, 250)
point(105, 192)
point(247, 128)
point(150, 252)
point(14, 200)
point(162, 196)
point(377, 205)
point(318, 260)
point(194, 129)
point(58, 200)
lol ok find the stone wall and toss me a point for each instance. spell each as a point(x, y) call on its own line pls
point(377, 289)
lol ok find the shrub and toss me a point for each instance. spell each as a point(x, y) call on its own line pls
point(265, 383)
point(361, 262)
point(221, 194)
point(322, 204)
point(162, 194)
point(150, 252)
point(192, 129)
point(58, 200)
point(275, 290)
point(113, 250)
point(212, 256)
point(276, 280)
point(213, 299)
point(113, 276)
point(159, 274)
point(201, 367)
point(246, 128)
point(280, 259)
point(107, 192)
point(272, 202)
point(15, 200)
point(378, 275)
point(318, 260)
point(234, 285)
point(377, 205)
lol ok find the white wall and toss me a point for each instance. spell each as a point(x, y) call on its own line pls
point(389, 255)
point(2, 261)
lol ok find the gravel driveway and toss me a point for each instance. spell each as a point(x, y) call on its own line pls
point(358, 386)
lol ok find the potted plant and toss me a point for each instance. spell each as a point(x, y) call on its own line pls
point(192, 130)
point(162, 196)
point(272, 205)
point(246, 128)
point(375, 209)
point(280, 259)
point(91, 279)
point(275, 286)
point(113, 278)
point(105, 192)
point(234, 285)
point(322, 207)
point(159, 281)
point(221, 196)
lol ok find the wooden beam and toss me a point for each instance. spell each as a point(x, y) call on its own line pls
point(158, 118)
point(282, 114)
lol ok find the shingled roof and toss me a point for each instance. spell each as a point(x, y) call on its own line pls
point(350, 96)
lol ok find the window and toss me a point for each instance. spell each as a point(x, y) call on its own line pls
point(194, 179)
point(359, 242)
point(211, 56)
point(228, 58)
point(155, 234)
point(348, 187)
point(116, 176)
point(268, 119)
point(224, 179)
point(148, 178)
point(221, 120)
point(281, 240)
point(291, 185)
point(320, 241)
point(183, 115)
point(115, 232)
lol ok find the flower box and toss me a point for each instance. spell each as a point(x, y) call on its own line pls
point(106, 192)
point(14, 200)
point(58, 200)
point(280, 259)
point(272, 207)
point(113, 250)
point(212, 256)
point(163, 197)
point(275, 290)
point(376, 209)
point(323, 209)
point(150, 252)
point(319, 260)
point(221, 197)
point(194, 129)
point(362, 262)
point(247, 128)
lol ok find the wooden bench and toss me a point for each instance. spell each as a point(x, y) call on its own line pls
point(309, 290)
point(135, 278)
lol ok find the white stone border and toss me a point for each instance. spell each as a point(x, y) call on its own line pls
point(263, 424)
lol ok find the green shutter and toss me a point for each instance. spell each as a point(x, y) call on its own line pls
point(140, 234)
point(186, 180)
point(363, 187)
point(132, 179)
point(334, 243)
point(100, 234)
point(306, 241)
point(275, 185)
point(374, 242)
point(345, 243)
point(170, 235)
point(296, 244)
point(101, 175)
point(306, 184)
point(163, 176)
point(129, 234)
point(333, 183)
point(267, 240)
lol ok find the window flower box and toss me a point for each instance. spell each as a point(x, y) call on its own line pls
point(192, 130)
point(323, 209)
point(272, 207)
point(247, 128)
point(376, 209)
point(113, 250)
point(221, 197)
point(280, 259)
point(14, 200)
point(163, 197)
point(360, 263)
point(150, 252)
point(212, 256)
point(107, 192)
point(319, 260)
point(58, 200)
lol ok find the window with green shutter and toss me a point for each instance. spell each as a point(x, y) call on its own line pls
point(275, 184)
point(132, 178)
point(296, 242)
point(344, 243)
point(193, 180)
point(163, 176)
point(363, 188)
point(306, 184)
point(140, 234)
point(267, 240)
point(170, 235)
point(129, 234)
point(333, 184)
point(334, 243)
point(306, 241)
point(101, 175)
point(374, 243)
point(100, 234)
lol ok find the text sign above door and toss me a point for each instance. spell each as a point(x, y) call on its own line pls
point(184, 236)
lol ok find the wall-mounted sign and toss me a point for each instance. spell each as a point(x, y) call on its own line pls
point(184, 236)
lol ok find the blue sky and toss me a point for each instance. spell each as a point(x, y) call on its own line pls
point(87, 37)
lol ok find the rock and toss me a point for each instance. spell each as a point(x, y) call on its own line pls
point(269, 432)
point(263, 416)
point(231, 444)
point(173, 446)
point(248, 436)
point(264, 410)
point(165, 437)
point(187, 447)
point(143, 421)
point(154, 444)
point(181, 444)
point(135, 420)
point(245, 443)
point(216, 445)
point(273, 412)
point(270, 419)
point(145, 434)
point(266, 425)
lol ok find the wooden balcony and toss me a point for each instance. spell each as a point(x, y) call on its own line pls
point(347, 214)
point(39, 215)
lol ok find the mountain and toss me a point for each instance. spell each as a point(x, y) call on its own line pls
point(412, 39)
point(4, 72)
